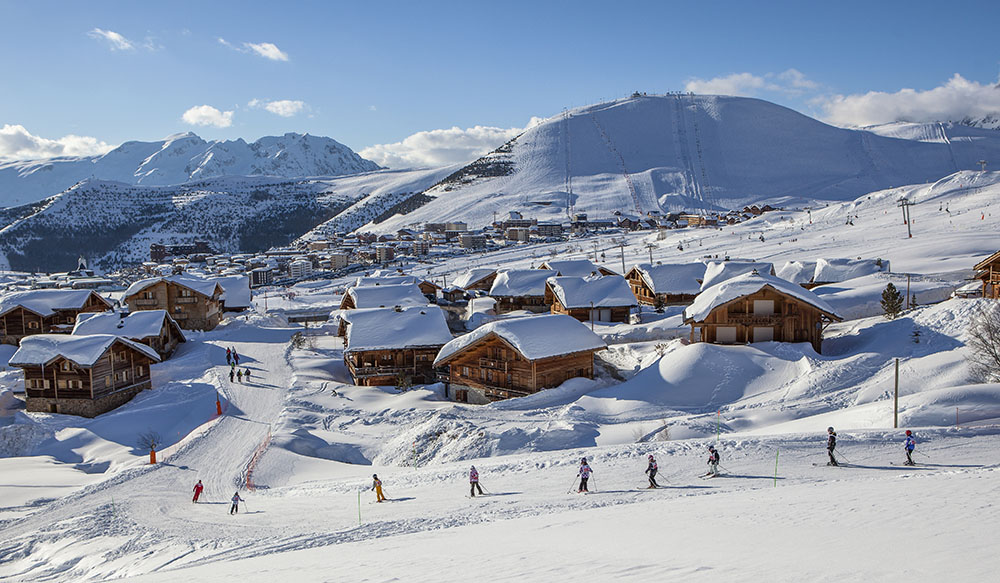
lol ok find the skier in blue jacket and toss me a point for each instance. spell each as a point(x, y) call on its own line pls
point(908, 446)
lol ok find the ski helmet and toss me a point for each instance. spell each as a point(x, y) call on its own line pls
point(650, 456)
point(829, 429)
point(374, 475)
point(711, 448)
point(583, 461)
point(908, 432)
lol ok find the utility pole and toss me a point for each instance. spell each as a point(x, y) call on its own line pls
point(905, 205)
point(982, 165)
point(591, 316)
point(621, 245)
point(650, 247)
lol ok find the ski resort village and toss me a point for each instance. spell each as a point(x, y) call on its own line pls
point(745, 329)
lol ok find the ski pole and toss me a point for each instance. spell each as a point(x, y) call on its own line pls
point(570, 491)
point(843, 457)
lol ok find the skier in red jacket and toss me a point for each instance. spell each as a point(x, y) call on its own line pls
point(197, 490)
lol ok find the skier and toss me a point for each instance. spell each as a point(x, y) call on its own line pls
point(197, 490)
point(236, 503)
point(229, 356)
point(584, 475)
point(246, 374)
point(239, 375)
point(236, 357)
point(908, 446)
point(713, 461)
point(377, 486)
point(651, 470)
point(474, 482)
point(232, 375)
point(831, 444)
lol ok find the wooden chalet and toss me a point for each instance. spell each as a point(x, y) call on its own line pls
point(196, 304)
point(988, 271)
point(383, 296)
point(758, 308)
point(385, 345)
point(45, 311)
point(476, 279)
point(520, 289)
point(596, 298)
point(575, 267)
point(82, 375)
point(717, 272)
point(666, 284)
point(429, 288)
point(517, 357)
point(154, 328)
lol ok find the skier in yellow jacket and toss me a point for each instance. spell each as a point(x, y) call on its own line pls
point(377, 486)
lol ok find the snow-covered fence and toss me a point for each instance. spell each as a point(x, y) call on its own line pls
point(254, 459)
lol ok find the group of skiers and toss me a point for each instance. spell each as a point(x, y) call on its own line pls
point(909, 444)
point(235, 373)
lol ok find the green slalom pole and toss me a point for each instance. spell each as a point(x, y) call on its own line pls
point(776, 468)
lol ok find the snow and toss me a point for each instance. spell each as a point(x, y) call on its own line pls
point(46, 302)
point(136, 325)
point(235, 290)
point(472, 276)
point(384, 280)
point(385, 328)
point(717, 272)
point(669, 278)
point(387, 296)
point(593, 291)
point(572, 267)
point(206, 287)
point(797, 271)
point(744, 285)
point(41, 349)
point(535, 337)
point(520, 282)
point(835, 270)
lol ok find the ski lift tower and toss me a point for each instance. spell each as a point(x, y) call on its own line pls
point(982, 165)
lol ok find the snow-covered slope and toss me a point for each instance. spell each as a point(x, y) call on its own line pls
point(181, 158)
point(676, 152)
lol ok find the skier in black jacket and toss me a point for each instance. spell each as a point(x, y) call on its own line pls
point(831, 444)
point(651, 470)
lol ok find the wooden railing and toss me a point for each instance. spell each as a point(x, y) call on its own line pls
point(147, 302)
point(754, 319)
point(186, 300)
point(494, 364)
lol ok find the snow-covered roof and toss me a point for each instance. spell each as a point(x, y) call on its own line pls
point(235, 290)
point(387, 296)
point(572, 267)
point(837, 270)
point(797, 271)
point(472, 276)
point(520, 282)
point(719, 271)
point(205, 287)
point(46, 302)
point(137, 325)
point(672, 278)
point(385, 328)
point(597, 291)
point(535, 337)
point(744, 285)
point(41, 349)
point(384, 280)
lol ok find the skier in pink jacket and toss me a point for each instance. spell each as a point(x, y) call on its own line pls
point(474, 482)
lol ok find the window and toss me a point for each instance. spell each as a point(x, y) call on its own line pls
point(763, 307)
point(107, 380)
point(37, 384)
point(186, 293)
point(32, 325)
point(122, 356)
point(75, 384)
point(763, 334)
point(482, 374)
point(465, 371)
point(149, 295)
point(140, 371)
point(489, 375)
point(725, 334)
point(65, 366)
point(61, 384)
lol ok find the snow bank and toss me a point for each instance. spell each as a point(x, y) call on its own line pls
point(861, 297)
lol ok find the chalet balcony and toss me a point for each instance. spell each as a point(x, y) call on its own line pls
point(754, 319)
point(186, 300)
point(494, 364)
point(147, 302)
point(368, 371)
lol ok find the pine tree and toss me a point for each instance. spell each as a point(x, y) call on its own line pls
point(892, 302)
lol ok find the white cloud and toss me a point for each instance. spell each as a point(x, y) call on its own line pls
point(206, 115)
point(794, 79)
point(116, 41)
point(16, 143)
point(744, 84)
point(956, 100)
point(285, 107)
point(442, 147)
point(267, 50)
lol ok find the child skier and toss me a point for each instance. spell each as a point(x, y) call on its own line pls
point(246, 374)
point(651, 471)
point(908, 446)
point(236, 503)
point(232, 375)
point(831, 444)
point(197, 490)
point(584, 475)
point(713, 461)
point(377, 486)
point(239, 376)
point(474, 482)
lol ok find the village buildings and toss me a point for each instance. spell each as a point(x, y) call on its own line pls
point(196, 304)
point(383, 296)
point(476, 279)
point(666, 284)
point(393, 346)
point(82, 375)
point(154, 328)
point(45, 311)
point(520, 289)
point(575, 267)
point(595, 298)
point(517, 357)
point(988, 271)
point(756, 307)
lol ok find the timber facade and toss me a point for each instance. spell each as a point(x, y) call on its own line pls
point(191, 309)
point(988, 271)
point(528, 303)
point(496, 369)
point(370, 368)
point(63, 386)
point(19, 321)
point(647, 296)
point(762, 316)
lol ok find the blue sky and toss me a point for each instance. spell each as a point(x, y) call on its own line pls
point(376, 73)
